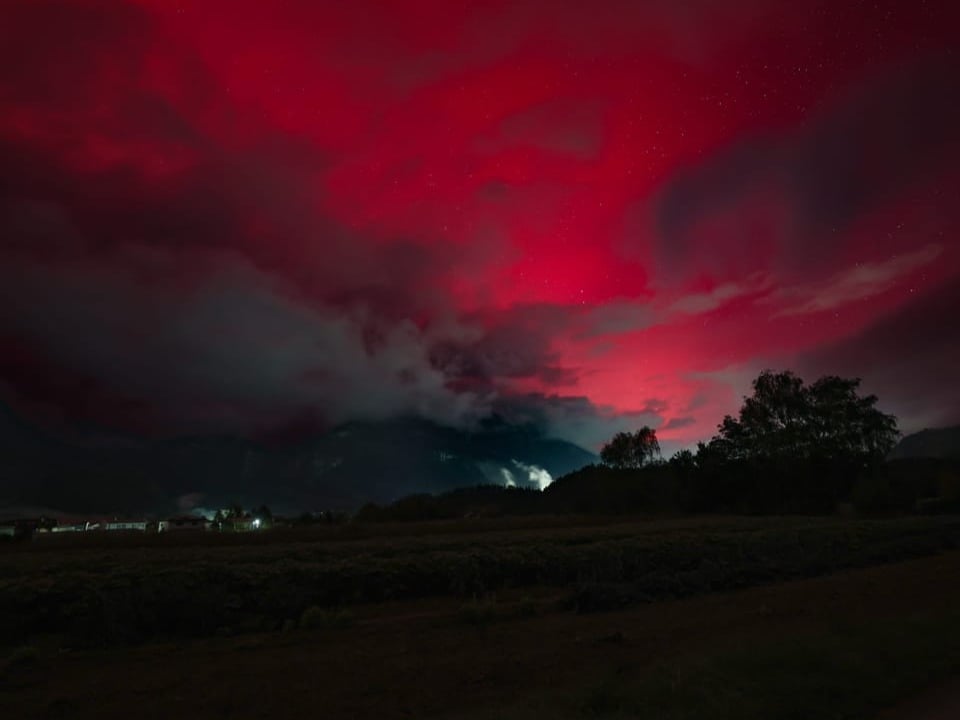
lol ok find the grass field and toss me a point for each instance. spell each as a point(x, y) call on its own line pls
point(686, 618)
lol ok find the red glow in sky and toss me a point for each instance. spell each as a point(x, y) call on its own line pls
point(233, 213)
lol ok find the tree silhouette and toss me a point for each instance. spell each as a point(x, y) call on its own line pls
point(631, 450)
point(786, 419)
point(683, 460)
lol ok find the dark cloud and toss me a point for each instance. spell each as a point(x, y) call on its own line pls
point(652, 406)
point(510, 343)
point(796, 193)
point(572, 417)
point(211, 295)
point(237, 351)
point(53, 52)
point(679, 422)
point(908, 359)
point(570, 128)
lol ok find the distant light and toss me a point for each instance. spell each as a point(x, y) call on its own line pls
point(256, 523)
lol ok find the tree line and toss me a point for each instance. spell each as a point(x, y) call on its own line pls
point(783, 420)
point(792, 448)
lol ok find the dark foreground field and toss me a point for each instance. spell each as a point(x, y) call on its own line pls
point(717, 618)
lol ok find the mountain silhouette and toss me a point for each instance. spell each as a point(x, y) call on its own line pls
point(933, 443)
point(339, 469)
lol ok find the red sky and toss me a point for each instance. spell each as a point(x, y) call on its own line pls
point(242, 215)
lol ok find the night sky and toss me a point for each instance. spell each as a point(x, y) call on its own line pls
point(264, 217)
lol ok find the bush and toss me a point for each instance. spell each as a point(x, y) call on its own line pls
point(190, 593)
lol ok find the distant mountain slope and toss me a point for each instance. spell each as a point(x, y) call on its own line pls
point(937, 443)
point(342, 469)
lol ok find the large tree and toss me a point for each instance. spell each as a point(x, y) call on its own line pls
point(631, 450)
point(787, 419)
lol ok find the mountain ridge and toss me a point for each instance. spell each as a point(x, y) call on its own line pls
point(929, 443)
point(342, 468)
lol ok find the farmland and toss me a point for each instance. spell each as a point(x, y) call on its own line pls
point(506, 603)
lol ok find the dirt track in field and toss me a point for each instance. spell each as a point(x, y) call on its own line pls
point(941, 702)
point(423, 661)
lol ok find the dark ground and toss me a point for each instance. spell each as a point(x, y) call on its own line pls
point(846, 645)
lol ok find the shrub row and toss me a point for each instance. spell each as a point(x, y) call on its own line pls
point(126, 602)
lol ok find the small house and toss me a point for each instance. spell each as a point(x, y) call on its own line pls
point(70, 527)
point(128, 525)
point(244, 524)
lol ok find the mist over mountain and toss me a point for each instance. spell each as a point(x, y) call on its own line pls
point(340, 469)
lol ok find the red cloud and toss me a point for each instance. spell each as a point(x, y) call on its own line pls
point(436, 209)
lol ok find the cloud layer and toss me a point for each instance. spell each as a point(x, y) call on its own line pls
point(224, 216)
